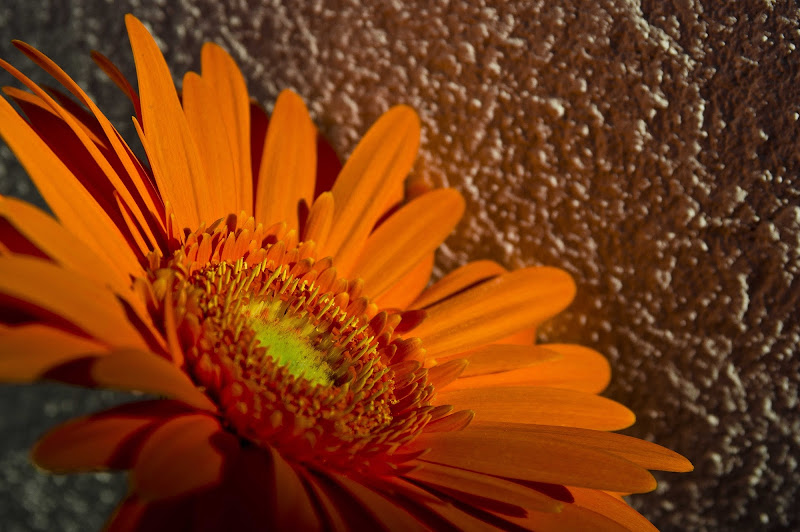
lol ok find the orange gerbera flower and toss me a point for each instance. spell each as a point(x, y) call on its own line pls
point(277, 305)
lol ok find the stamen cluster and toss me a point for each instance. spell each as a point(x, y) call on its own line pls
point(292, 354)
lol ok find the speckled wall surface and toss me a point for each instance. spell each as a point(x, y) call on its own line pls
point(650, 148)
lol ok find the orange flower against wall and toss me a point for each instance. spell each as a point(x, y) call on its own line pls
point(277, 304)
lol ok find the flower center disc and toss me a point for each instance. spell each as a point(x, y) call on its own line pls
point(291, 356)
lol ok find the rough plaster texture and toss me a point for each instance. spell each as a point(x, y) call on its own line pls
point(650, 148)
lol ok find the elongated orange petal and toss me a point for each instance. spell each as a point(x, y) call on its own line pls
point(392, 517)
point(179, 458)
point(71, 203)
point(574, 368)
point(84, 152)
point(86, 444)
point(28, 351)
point(500, 358)
point(131, 369)
point(335, 516)
point(230, 90)
point(106, 440)
point(64, 248)
point(123, 153)
point(545, 406)
point(456, 421)
point(460, 516)
point(289, 163)
point(579, 368)
point(495, 309)
point(292, 505)
point(478, 484)
point(409, 287)
point(368, 181)
point(320, 218)
point(524, 337)
point(441, 375)
point(644, 453)
point(613, 508)
point(59, 244)
point(119, 79)
point(533, 457)
point(403, 240)
point(28, 101)
point(572, 517)
point(217, 154)
point(69, 295)
point(458, 280)
point(172, 153)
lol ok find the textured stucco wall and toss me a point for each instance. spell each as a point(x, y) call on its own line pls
point(650, 148)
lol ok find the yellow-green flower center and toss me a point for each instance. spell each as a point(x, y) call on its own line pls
point(287, 339)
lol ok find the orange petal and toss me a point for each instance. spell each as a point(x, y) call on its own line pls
point(28, 351)
point(64, 248)
point(391, 516)
point(456, 421)
point(370, 180)
point(408, 288)
point(464, 277)
point(70, 296)
point(405, 238)
point(461, 516)
point(612, 508)
point(69, 137)
point(320, 218)
point(340, 511)
point(130, 369)
point(534, 457)
point(591, 510)
point(441, 375)
point(30, 102)
point(106, 440)
point(460, 482)
point(86, 444)
point(523, 337)
point(289, 163)
point(140, 185)
point(229, 87)
point(71, 203)
point(172, 153)
point(59, 244)
point(292, 505)
point(499, 358)
point(214, 146)
point(495, 309)
point(574, 368)
point(335, 516)
point(646, 454)
point(182, 456)
point(572, 517)
point(119, 79)
point(544, 406)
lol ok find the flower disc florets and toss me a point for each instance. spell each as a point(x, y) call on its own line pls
point(292, 355)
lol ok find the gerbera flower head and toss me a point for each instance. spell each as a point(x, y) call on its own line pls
point(276, 303)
